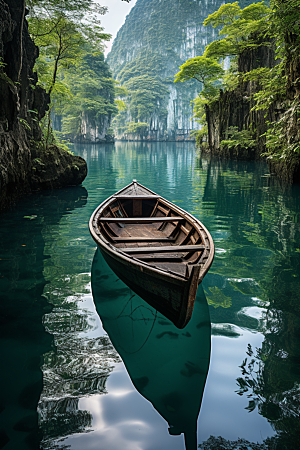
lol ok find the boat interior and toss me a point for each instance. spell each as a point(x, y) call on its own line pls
point(148, 228)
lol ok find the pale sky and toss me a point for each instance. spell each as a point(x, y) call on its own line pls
point(115, 17)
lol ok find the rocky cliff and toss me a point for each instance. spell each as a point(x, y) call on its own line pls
point(234, 108)
point(289, 169)
point(157, 37)
point(24, 164)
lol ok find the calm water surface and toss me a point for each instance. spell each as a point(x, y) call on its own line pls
point(105, 371)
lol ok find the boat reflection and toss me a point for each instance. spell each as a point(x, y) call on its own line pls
point(167, 366)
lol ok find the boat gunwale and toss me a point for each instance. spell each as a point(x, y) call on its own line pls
point(141, 265)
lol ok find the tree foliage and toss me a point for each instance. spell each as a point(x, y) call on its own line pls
point(61, 29)
point(145, 93)
point(92, 94)
point(203, 69)
point(153, 42)
point(241, 31)
point(46, 18)
point(241, 28)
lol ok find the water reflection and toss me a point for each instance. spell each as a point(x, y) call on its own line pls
point(256, 284)
point(252, 290)
point(23, 338)
point(270, 375)
point(166, 365)
point(165, 168)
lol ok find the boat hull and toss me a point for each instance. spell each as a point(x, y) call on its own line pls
point(159, 250)
point(167, 295)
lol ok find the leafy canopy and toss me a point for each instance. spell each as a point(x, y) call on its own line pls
point(46, 18)
point(62, 29)
point(145, 89)
point(203, 69)
point(200, 68)
point(91, 93)
point(241, 28)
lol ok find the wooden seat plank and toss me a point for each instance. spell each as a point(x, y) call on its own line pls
point(171, 258)
point(136, 197)
point(140, 219)
point(163, 249)
point(143, 239)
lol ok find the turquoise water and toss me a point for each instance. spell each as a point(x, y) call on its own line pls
point(79, 372)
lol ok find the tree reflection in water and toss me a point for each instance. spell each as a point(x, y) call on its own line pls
point(78, 365)
point(45, 260)
point(76, 368)
point(258, 263)
point(23, 337)
point(271, 375)
point(219, 443)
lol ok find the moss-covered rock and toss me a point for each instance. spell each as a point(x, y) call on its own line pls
point(233, 109)
point(55, 168)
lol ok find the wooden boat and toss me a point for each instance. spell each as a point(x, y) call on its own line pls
point(159, 250)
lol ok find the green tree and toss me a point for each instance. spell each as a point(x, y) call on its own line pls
point(203, 69)
point(208, 72)
point(241, 28)
point(145, 91)
point(138, 129)
point(60, 29)
point(242, 31)
point(92, 94)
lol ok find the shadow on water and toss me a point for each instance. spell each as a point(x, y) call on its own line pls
point(167, 366)
point(23, 338)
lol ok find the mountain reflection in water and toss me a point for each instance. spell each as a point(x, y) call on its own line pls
point(167, 366)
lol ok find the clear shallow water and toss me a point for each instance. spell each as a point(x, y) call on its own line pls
point(63, 383)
